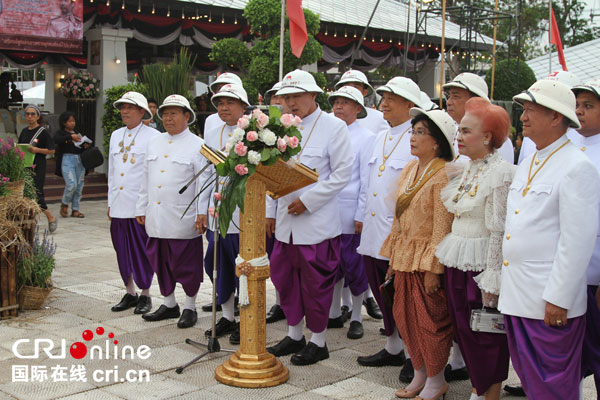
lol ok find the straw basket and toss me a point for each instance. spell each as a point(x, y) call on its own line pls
point(15, 191)
point(32, 298)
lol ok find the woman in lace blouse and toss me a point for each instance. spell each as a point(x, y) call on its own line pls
point(472, 252)
point(421, 221)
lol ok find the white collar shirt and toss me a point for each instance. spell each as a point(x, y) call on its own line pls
point(171, 162)
point(327, 150)
point(353, 196)
point(528, 147)
point(216, 138)
point(550, 233)
point(124, 178)
point(382, 187)
point(212, 122)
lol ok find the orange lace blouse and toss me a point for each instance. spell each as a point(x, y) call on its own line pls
point(411, 244)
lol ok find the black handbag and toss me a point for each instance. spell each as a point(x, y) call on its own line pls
point(387, 291)
point(91, 158)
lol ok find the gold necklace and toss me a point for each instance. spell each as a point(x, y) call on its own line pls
point(221, 140)
point(125, 149)
point(471, 187)
point(385, 158)
point(309, 135)
point(409, 188)
point(529, 176)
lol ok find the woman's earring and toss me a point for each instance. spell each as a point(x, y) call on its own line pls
point(486, 142)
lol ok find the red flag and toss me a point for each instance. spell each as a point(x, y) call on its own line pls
point(298, 33)
point(555, 39)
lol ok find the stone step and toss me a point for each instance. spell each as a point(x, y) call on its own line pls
point(95, 185)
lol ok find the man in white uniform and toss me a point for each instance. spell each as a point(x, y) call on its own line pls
point(127, 151)
point(374, 122)
point(551, 227)
point(213, 120)
point(306, 253)
point(230, 103)
point(348, 106)
point(588, 113)
point(391, 152)
point(462, 88)
point(174, 245)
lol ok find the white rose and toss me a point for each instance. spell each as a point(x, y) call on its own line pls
point(253, 157)
point(267, 137)
point(238, 134)
point(229, 145)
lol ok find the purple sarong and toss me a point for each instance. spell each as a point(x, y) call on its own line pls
point(129, 240)
point(229, 248)
point(376, 270)
point(547, 359)
point(591, 341)
point(486, 354)
point(305, 277)
point(352, 268)
point(176, 260)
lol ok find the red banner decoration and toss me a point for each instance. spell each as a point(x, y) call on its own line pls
point(51, 26)
point(555, 39)
point(298, 32)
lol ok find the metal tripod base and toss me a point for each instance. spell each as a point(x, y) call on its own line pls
point(212, 346)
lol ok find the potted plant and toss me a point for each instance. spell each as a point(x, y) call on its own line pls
point(34, 271)
point(12, 169)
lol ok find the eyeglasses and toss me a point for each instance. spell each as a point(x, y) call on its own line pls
point(30, 113)
point(420, 132)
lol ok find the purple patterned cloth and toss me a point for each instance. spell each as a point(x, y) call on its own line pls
point(376, 270)
point(176, 261)
point(129, 240)
point(304, 276)
point(547, 359)
point(229, 248)
point(591, 341)
point(477, 348)
point(352, 267)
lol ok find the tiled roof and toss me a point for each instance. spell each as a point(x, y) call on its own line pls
point(582, 60)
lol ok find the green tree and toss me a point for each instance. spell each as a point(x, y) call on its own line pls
point(506, 77)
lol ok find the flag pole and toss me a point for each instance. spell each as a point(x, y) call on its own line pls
point(550, 36)
point(281, 33)
point(443, 50)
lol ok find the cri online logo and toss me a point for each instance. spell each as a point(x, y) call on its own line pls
point(79, 350)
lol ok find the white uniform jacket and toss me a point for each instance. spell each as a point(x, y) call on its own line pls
point(382, 188)
point(125, 178)
point(550, 234)
point(170, 163)
point(216, 138)
point(528, 147)
point(507, 151)
point(328, 150)
point(591, 148)
point(374, 121)
point(353, 196)
point(212, 122)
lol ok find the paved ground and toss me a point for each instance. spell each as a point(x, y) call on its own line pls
point(87, 283)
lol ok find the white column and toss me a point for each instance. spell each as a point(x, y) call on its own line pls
point(429, 79)
point(54, 101)
point(107, 61)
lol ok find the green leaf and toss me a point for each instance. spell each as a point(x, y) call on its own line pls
point(274, 112)
point(265, 154)
point(222, 169)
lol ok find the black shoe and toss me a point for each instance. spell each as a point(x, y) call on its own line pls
point(355, 331)
point(163, 312)
point(372, 308)
point(515, 390)
point(346, 313)
point(188, 318)
point(460, 374)
point(407, 373)
point(310, 354)
point(287, 346)
point(334, 323)
point(208, 307)
point(235, 336)
point(144, 305)
point(224, 326)
point(382, 331)
point(275, 314)
point(382, 358)
point(126, 302)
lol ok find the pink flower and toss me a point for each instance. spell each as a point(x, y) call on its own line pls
point(297, 120)
point(240, 149)
point(252, 136)
point(256, 113)
point(87, 89)
point(217, 196)
point(242, 123)
point(211, 211)
point(287, 120)
point(293, 142)
point(78, 81)
point(241, 169)
point(263, 121)
point(281, 145)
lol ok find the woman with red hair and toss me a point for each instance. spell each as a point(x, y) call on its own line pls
point(472, 251)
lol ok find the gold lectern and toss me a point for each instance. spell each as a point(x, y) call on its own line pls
point(252, 366)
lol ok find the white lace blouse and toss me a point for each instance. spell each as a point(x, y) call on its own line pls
point(479, 208)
